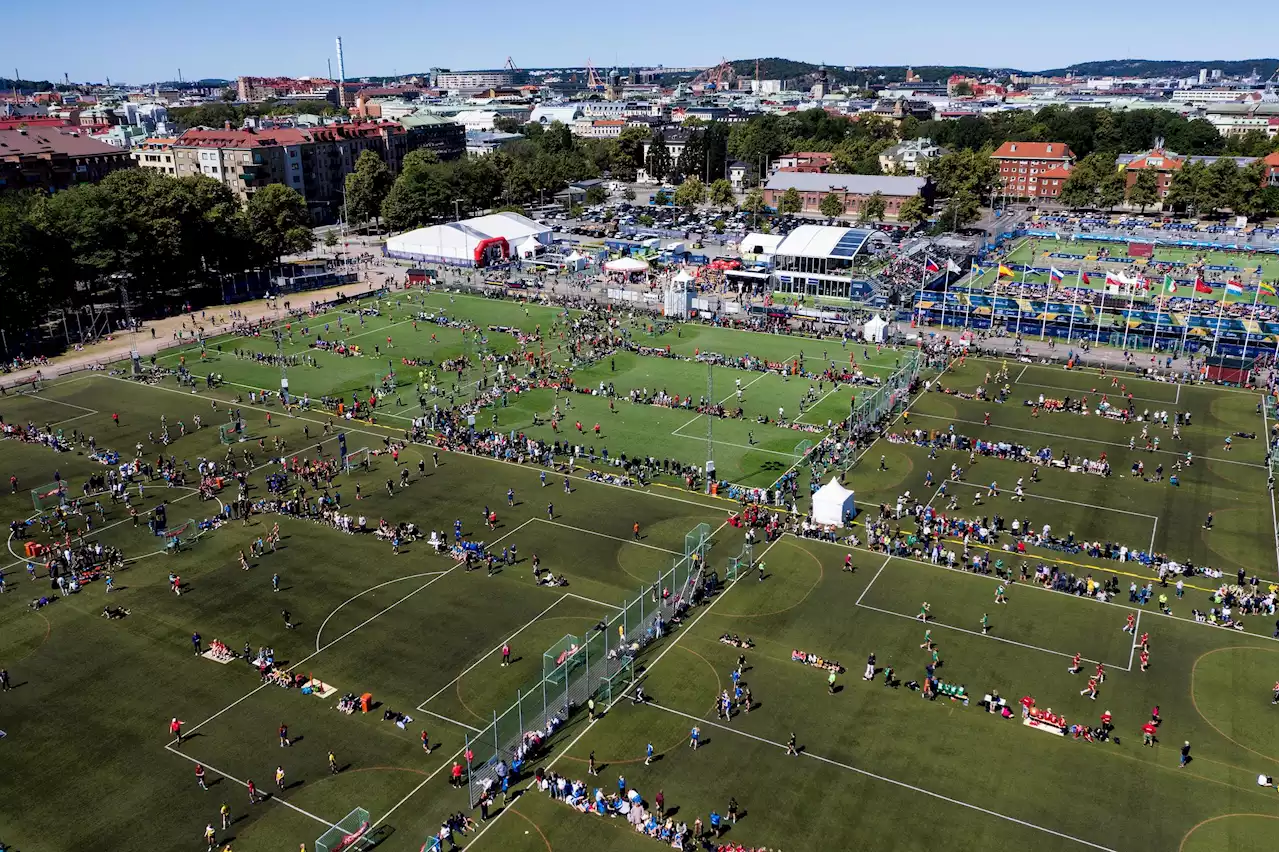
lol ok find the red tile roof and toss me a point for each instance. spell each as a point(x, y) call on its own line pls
point(202, 137)
point(1033, 151)
point(42, 141)
point(1055, 172)
point(1156, 159)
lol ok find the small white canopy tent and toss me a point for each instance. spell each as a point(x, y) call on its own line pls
point(530, 247)
point(833, 503)
point(575, 261)
point(629, 265)
point(874, 329)
point(682, 277)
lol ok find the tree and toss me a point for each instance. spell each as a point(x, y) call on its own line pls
point(790, 202)
point(962, 89)
point(367, 187)
point(973, 172)
point(1254, 198)
point(658, 163)
point(629, 194)
point(721, 193)
point(279, 221)
point(661, 198)
point(1185, 189)
point(506, 124)
point(1145, 190)
point(1111, 189)
point(754, 201)
point(913, 211)
point(873, 210)
point(330, 238)
point(961, 210)
point(691, 193)
point(831, 205)
point(1220, 188)
point(1081, 187)
point(597, 195)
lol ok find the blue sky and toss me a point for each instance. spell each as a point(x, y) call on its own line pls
point(150, 39)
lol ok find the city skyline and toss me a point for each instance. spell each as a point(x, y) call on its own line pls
point(159, 40)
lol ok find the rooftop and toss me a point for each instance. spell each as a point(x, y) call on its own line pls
point(859, 184)
point(50, 141)
point(1034, 151)
point(830, 242)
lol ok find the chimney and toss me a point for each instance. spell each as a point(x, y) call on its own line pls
point(1013, 147)
point(1048, 149)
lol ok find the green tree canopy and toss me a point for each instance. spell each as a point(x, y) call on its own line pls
point(367, 187)
point(279, 221)
point(831, 205)
point(790, 202)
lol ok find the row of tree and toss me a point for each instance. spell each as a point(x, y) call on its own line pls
point(1196, 188)
point(161, 237)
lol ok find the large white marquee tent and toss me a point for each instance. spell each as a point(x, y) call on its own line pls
point(470, 242)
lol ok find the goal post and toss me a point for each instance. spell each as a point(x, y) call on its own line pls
point(349, 833)
point(357, 459)
point(48, 496)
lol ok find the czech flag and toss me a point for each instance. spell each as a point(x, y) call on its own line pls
point(931, 266)
point(1054, 275)
point(1004, 270)
point(1234, 289)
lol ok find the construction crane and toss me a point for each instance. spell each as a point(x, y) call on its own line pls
point(719, 78)
point(594, 83)
point(511, 66)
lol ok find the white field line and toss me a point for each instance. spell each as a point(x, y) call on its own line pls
point(1023, 370)
point(698, 417)
point(858, 602)
point(443, 718)
point(367, 591)
point(1074, 438)
point(1137, 623)
point(83, 408)
point(488, 654)
point(885, 779)
point(591, 600)
point(274, 797)
point(587, 728)
point(606, 535)
point(931, 624)
point(350, 429)
point(1275, 452)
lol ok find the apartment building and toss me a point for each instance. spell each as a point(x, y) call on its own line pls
point(313, 161)
point(156, 153)
point(1033, 169)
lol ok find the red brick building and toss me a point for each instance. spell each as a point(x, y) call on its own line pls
point(53, 158)
point(1033, 169)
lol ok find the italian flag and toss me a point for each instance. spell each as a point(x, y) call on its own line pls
point(1169, 285)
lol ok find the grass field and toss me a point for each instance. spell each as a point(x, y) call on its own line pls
point(92, 699)
point(1036, 252)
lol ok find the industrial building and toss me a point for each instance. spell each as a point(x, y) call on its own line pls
point(479, 242)
point(852, 190)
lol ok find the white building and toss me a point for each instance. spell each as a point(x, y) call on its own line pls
point(473, 80)
point(908, 155)
point(547, 114)
point(599, 128)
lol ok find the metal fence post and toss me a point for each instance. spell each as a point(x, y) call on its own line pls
point(496, 745)
point(544, 696)
point(520, 711)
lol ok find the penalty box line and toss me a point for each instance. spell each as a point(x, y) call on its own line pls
point(931, 623)
point(271, 797)
point(868, 774)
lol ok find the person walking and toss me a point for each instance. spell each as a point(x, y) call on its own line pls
point(506, 654)
point(175, 729)
point(1185, 755)
point(225, 813)
point(333, 764)
point(200, 777)
point(195, 643)
point(648, 754)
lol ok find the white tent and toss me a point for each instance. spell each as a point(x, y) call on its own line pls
point(530, 247)
point(682, 277)
point(874, 329)
point(833, 503)
point(575, 261)
point(627, 264)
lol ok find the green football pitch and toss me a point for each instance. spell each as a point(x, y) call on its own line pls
point(86, 722)
point(1036, 252)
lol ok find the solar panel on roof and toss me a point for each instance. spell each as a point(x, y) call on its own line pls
point(848, 244)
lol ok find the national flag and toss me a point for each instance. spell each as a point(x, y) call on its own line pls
point(1004, 270)
point(931, 266)
point(1169, 285)
point(1266, 288)
point(1234, 289)
point(1202, 287)
point(953, 267)
point(1084, 278)
point(1054, 275)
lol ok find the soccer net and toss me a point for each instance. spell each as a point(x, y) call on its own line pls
point(740, 564)
point(229, 433)
point(48, 496)
point(350, 832)
point(181, 536)
point(357, 460)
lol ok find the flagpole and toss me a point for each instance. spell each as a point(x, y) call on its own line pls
point(1102, 304)
point(1133, 293)
point(1247, 330)
point(1071, 324)
point(946, 284)
point(1217, 331)
point(921, 298)
point(1155, 335)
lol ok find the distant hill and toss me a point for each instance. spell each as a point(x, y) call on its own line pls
point(1166, 68)
point(774, 68)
